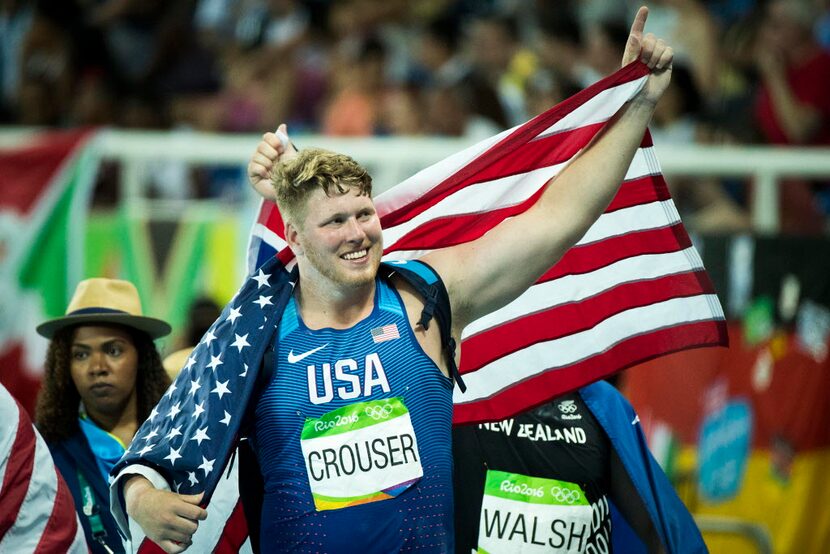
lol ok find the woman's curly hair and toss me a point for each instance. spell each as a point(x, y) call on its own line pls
point(57, 404)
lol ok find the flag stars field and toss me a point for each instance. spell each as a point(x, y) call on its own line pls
point(174, 411)
point(261, 278)
point(215, 361)
point(221, 388)
point(201, 435)
point(173, 456)
point(234, 314)
point(241, 341)
point(198, 409)
point(206, 465)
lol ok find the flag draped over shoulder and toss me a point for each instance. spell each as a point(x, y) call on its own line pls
point(631, 289)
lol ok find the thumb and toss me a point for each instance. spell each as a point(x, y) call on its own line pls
point(194, 499)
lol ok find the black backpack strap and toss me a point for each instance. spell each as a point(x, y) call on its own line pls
point(429, 285)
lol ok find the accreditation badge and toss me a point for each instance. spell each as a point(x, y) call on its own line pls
point(360, 453)
point(521, 514)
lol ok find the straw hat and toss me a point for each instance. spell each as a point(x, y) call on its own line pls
point(105, 301)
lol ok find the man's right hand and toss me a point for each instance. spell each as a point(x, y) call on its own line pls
point(270, 151)
point(167, 518)
point(653, 52)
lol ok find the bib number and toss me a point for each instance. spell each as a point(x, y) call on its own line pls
point(521, 514)
point(364, 452)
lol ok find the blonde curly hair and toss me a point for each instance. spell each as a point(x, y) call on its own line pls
point(313, 168)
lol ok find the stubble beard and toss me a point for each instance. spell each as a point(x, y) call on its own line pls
point(339, 275)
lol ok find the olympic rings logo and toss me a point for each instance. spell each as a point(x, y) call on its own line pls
point(378, 412)
point(567, 496)
point(567, 407)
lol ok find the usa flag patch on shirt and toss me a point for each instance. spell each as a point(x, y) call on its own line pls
point(385, 333)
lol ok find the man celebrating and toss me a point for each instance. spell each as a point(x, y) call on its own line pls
point(352, 430)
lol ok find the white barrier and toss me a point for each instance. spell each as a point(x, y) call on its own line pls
point(391, 160)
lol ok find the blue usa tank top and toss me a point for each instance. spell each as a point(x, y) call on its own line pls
point(353, 438)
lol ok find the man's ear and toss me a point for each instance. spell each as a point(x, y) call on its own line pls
point(292, 237)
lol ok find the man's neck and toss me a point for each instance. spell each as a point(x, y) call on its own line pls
point(324, 305)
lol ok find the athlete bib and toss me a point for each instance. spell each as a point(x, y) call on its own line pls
point(521, 514)
point(360, 453)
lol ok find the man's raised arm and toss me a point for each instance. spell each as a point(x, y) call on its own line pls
point(486, 274)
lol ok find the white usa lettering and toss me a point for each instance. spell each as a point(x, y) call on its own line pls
point(345, 383)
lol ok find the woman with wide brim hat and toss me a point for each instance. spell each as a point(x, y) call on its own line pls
point(103, 377)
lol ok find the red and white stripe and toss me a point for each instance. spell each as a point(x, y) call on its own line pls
point(631, 289)
point(37, 514)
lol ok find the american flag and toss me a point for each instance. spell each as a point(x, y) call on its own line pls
point(633, 288)
point(385, 333)
point(37, 514)
point(192, 432)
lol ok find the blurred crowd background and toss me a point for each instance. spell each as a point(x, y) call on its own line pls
point(744, 432)
point(746, 72)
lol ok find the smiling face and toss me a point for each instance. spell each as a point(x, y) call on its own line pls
point(339, 238)
point(103, 364)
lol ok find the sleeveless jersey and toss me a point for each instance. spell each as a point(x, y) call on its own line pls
point(347, 409)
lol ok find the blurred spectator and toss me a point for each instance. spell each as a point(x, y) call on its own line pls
point(729, 12)
point(496, 52)
point(605, 46)
point(561, 50)
point(46, 74)
point(359, 88)
point(703, 203)
point(589, 13)
point(16, 18)
point(448, 114)
point(793, 104)
point(439, 53)
point(822, 25)
point(693, 34)
point(793, 101)
point(401, 113)
point(677, 116)
point(201, 314)
point(545, 90)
